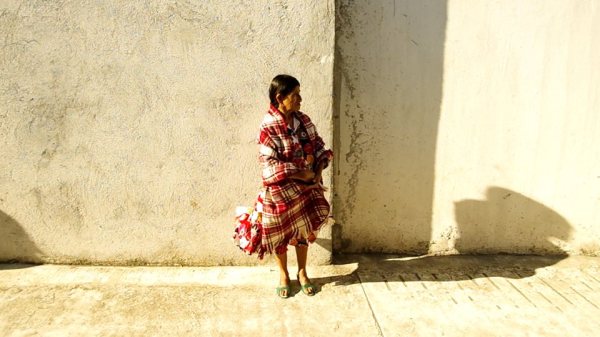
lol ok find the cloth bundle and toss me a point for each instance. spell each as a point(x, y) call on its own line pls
point(248, 227)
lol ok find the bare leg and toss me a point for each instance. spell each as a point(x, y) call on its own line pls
point(302, 256)
point(284, 276)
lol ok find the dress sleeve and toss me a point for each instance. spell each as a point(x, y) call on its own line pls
point(274, 170)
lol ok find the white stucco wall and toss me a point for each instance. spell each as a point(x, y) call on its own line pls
point(468, 126)
point(127, 128)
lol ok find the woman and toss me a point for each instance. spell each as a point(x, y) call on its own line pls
point(293, 157)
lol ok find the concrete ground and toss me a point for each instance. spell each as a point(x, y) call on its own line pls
point(361, 295)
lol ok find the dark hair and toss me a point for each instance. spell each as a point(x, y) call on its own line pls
point(282, 85)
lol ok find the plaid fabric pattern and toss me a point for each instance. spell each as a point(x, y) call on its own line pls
point(291, 212)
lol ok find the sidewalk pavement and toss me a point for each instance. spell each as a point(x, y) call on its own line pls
point(360, 295)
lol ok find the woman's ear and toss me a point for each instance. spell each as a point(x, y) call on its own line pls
point(279, 98)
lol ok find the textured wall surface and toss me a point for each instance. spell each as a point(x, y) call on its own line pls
point(127, 128)
point(468, 126)
point(389, 65)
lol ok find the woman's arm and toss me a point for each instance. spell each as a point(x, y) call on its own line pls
point(319, 170)
point(275, 170)
point(306, 176)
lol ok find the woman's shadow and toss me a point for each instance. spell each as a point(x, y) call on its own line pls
point(16, 248)
point(518, 234)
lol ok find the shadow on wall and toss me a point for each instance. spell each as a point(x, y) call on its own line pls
point(387, 95)
point(509, 222)
point(506, 222)
point(15, 244)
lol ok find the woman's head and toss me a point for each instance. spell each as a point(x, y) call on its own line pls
point(284, 92)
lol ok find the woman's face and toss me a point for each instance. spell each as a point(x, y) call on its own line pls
point(291, 102)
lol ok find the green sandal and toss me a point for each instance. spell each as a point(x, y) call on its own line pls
point(280, 291)
point(307, 286)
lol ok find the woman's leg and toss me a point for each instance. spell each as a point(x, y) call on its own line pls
point(302, 256)
point(284, 276)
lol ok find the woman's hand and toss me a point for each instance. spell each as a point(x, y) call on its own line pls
point(318, 172)
point(306, 176)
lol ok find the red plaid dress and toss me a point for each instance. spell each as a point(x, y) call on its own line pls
point(291, 213)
